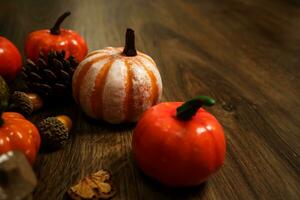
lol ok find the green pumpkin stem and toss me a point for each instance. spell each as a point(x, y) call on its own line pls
point(188, 109)
point(129, 49)
point(55, 30)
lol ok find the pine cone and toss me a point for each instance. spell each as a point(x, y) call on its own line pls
point(51, 75)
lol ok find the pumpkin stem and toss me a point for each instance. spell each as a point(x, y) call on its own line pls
point(129, 49)
point(55, 30)
point(188, 109)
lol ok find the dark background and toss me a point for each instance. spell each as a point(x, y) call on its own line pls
point(245, 54)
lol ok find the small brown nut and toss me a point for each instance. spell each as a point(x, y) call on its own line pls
point(25, 103)
point(95, 186)
point(54, 131)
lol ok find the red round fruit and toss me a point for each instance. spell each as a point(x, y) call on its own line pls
point(56, 39)
point(17, 133)
point(178, 150)
point(10, 59)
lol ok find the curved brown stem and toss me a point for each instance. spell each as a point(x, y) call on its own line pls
point(55, 30)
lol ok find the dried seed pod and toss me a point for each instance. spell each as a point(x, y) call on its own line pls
point(25, 103)
point(54, 131)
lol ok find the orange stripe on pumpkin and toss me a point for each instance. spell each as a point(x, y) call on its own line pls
point(97, 95)
point(96, 52)
point(92, 53)
point(128, 102)
point(81, 75)
point(154, 87)
point(147, 58)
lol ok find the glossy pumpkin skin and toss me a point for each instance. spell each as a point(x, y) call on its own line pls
point(114, 87)
point(17, 133)
point(10, 59)
point(178, 153)
point(43, 41)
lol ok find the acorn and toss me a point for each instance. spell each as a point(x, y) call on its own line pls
point(25, 103)
point(54, 131)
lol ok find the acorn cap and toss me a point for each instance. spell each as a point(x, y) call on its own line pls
point(54, 131)
point(25, 103)
point(21, 103)
point(4, 94)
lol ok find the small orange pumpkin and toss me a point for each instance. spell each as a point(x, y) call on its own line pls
point(17, 133)
point(117, 84)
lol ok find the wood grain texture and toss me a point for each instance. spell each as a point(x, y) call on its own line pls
point(245, 54)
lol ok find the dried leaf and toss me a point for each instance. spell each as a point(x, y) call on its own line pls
point(95, 186)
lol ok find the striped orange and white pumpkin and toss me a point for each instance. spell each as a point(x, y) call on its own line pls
point(117, 84)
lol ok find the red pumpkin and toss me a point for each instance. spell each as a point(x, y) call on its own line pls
point(10, 59)
point(179, 144)
point(17, 133)
point(56, 39)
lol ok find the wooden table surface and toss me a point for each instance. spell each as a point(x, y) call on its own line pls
point(245, 54)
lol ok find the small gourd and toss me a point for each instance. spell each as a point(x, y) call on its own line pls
point(17, 133)
point(117, 84)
